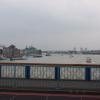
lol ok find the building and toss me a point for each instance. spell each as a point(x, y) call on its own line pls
point(11, 52)
point(31, 51)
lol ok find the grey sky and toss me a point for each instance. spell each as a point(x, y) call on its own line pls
point(50, 24)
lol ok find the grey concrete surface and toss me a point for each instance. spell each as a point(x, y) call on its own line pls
point(9, 97)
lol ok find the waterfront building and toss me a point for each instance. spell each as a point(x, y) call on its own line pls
point(11, 52)
point(31, 51)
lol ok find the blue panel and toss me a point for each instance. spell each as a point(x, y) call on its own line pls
point(27, 72)
point(87, 74)
point(57, 73)
point(0, 71)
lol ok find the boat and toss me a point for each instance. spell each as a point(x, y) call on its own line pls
point(19, 58)
point(37, 55)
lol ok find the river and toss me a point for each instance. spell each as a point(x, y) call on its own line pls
point(62, 59)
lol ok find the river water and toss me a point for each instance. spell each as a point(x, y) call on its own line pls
point(62, 59)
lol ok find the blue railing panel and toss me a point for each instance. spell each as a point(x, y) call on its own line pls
point(50, 71)
point(87, 74)
point(27, 72)
point(57, 73)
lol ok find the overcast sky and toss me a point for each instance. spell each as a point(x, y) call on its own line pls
point(50, 24)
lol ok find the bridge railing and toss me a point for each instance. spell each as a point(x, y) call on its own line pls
point(50, 77)
point(88, 72)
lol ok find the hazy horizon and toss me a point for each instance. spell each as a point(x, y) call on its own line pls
point(50, 24)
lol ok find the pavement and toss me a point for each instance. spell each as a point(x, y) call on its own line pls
point(45, 96)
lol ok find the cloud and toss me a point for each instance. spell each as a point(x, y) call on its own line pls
point(50, 23)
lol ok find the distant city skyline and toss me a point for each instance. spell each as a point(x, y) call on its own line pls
point(59, 50)
point(50, 24)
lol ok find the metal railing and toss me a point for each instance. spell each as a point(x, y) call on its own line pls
point(50, 71)
point(41, 76)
